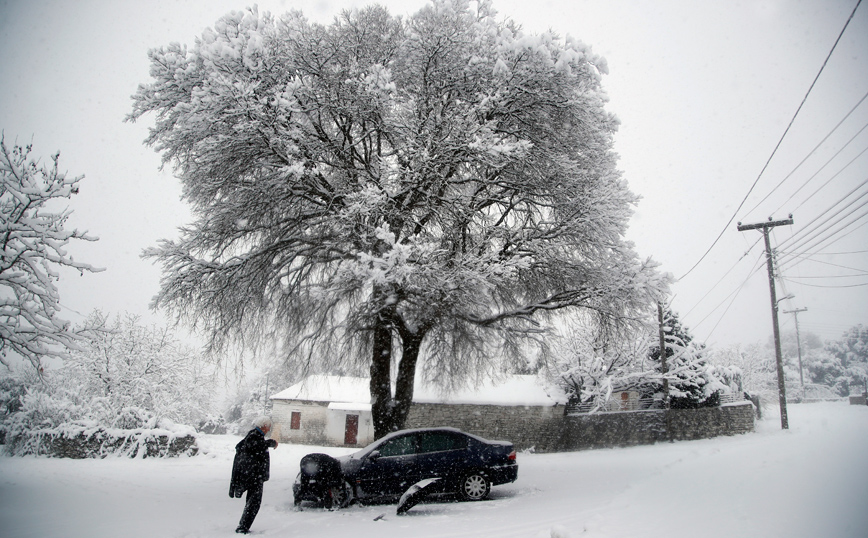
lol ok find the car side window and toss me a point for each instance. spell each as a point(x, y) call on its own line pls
point(440, 442)
point(400, 446)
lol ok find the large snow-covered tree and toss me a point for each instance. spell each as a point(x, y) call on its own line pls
point(34, 240)
point(391, 192)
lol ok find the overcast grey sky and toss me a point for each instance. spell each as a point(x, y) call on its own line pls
point(704, 91)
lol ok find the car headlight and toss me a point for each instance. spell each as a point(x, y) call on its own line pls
point(310, 468)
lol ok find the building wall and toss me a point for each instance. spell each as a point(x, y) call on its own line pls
point(319, 425)
point(314, 419)
point(546, 429)
point(337, 423)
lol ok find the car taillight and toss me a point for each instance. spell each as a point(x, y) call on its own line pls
point(511, 456)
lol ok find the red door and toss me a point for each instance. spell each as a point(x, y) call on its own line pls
point(351, 433)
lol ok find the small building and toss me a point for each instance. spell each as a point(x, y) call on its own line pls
point(324, 410)
point(336, 411)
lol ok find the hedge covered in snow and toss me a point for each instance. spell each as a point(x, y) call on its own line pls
point(83, 440)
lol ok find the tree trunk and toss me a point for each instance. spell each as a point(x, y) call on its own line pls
point(390, 413)
point(405, 383)
point(381, 386)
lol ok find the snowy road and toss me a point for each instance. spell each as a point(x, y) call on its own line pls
point(809, 481)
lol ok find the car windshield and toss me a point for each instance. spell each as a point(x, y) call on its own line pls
point(400, 446)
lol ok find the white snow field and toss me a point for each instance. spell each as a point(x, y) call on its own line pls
point(808, 481)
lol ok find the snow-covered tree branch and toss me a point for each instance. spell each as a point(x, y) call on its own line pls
point(595, 358)
point(392, 191)
point(34, 244)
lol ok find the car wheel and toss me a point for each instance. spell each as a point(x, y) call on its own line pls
point(474, 487)
point(341, 496)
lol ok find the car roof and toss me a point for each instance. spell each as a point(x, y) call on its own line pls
point(434, 429)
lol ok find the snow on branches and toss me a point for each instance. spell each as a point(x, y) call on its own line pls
point(594, 360)
point(34, 246)
point(438, 184)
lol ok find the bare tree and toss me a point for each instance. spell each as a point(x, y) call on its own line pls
point(34, 247)
point(391, 192)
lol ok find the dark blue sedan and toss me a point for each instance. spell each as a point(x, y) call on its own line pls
point(465, 464)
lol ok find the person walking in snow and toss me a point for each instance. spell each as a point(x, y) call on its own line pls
point(250, 470)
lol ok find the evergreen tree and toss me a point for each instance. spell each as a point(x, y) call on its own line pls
point(692, 382)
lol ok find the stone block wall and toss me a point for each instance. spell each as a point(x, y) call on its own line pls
point(546, 429)
point(524, 426)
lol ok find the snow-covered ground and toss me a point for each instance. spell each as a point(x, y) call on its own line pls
point(808, 481)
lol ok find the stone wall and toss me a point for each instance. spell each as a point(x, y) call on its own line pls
point(524, 426)
point(546, 429)
point(100, 443)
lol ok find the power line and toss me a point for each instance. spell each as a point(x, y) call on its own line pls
point(808, 156)
point(805, 258)
point(821, 187)
point(778, 145)
point(825, 224)
point(743, 256)
point(814, 242)
point(836, 253)
point(842, 286)
point(810, 228)
point(860, 275)
point(807, 255)
point(756, 268)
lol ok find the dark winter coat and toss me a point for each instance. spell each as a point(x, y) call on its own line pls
point(251, 464)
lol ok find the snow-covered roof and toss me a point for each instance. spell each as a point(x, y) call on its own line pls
point(328, 388)
point(350, 406)
point(514, 390)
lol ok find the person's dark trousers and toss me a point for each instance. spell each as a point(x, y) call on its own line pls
point(251, 506)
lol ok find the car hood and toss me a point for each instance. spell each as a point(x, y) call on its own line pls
point(350, 464)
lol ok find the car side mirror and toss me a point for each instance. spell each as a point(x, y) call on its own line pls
point(374, 456)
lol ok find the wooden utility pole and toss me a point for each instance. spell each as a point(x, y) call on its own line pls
point(665, 369)
point(663, 366)
point(795, 314)
point(782, 389)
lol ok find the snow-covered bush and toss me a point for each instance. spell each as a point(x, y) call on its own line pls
point(850, 355)
point(125, 381)
point(86, 439)
point(596, 361)
point(215, 424)
point(755, 364)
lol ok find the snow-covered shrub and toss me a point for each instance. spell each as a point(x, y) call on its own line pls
point(755, 364)
point(85, 439)
point(850, 353)
point(126, 378)
point(596, 362)
point(212, 425)
point(12, 390)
